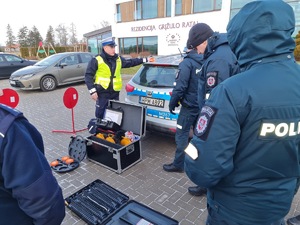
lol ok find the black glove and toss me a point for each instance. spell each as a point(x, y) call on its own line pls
point(172, 107)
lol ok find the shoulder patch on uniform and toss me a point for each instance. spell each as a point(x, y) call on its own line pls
point(204, 122)
point(212, 79)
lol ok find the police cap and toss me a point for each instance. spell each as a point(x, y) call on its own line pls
point(109, 41)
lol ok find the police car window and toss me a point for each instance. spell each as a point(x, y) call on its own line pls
point(1, 59)
point(156, 76)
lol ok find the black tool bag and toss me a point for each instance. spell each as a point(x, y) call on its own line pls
point(107, 125)
point(92, 126)
point(112, 120)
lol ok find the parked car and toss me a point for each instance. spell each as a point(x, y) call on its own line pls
point(152, 86)
point(53, 71)
point(9, 63)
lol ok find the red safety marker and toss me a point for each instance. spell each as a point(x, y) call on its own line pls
point(70, 99)
point(10, 97)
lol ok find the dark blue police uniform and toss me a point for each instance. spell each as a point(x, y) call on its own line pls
point(246, 144)
point(29, 193)
point(219, 64)
point(185, 92)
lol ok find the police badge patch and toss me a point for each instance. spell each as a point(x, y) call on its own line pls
point(204, 122)
point(212, 79)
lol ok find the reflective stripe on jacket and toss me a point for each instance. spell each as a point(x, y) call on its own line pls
point(103, 74)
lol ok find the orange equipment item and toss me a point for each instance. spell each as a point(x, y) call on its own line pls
point(125, 141)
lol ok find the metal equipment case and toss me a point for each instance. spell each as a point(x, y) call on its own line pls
point(117, 157)
point(100, 204)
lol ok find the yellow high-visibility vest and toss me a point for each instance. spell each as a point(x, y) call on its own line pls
point(103, 74)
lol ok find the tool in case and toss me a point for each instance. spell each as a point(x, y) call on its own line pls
point(100, 204)
point(114, 155)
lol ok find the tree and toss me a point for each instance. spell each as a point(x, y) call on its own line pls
point(103, 24)
point(73, 35)
point(62, 35)
point(11, 39)
point(34, 37)
point(50, 37)
point(23, 37)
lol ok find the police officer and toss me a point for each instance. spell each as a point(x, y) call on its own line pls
point(103, 75)
point(246, 145)
point(185, 93)
point(29, 193)
point(219, 64)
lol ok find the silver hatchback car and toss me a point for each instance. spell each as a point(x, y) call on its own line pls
point(53, 71)
point(152, 86)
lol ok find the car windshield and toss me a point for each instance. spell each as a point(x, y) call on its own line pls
point(151, 75)
point(49, 60)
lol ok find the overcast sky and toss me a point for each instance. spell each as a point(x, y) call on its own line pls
point(87, 15)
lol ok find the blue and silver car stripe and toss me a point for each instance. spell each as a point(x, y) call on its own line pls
point(155, 94)
point(161, 114)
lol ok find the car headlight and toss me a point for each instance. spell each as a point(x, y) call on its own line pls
point(27, 76)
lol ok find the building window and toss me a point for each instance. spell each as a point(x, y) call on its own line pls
point(207, 5)
point(178, 7)
point(146, 9)
point(138, 12)
point(168, 8)
point(150, 45)
point(94, 43)
point(118, 16)
point(138, 45)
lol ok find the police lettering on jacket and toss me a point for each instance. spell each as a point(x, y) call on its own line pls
point(279, 129)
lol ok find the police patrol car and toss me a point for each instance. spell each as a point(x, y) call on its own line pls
point(152, 86)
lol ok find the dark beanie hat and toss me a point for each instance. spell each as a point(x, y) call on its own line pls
point(199, 33)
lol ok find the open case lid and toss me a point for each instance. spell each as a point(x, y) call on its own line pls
point(100, 204)
point(134, 117)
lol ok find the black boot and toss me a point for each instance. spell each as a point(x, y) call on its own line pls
point(171, 168)
point(294, 220)
point(197, 191)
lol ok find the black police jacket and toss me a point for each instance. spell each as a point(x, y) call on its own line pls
point(220, 63)
point(29, 193)
point(186, 88)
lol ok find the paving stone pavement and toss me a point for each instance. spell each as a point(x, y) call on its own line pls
point(145, 182)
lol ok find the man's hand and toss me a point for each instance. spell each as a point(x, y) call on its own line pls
point(172, 107)
point(172, 110)
point(94, 96)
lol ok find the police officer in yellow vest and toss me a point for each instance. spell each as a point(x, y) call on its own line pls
point(103, 75)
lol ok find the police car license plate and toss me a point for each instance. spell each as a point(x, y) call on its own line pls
point(12, 82)
point(152, 101)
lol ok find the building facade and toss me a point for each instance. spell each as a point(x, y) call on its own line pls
point(160, 27)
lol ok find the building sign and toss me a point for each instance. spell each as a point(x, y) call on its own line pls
point(166, 26)
point(173, 39)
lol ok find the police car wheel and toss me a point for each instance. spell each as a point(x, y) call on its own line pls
point(48, 83)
